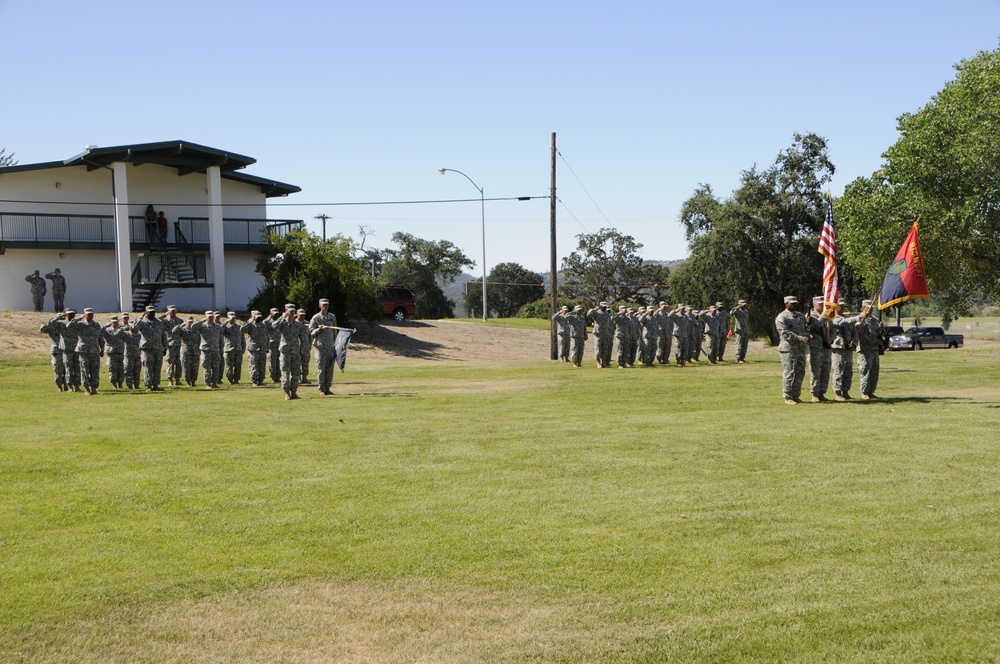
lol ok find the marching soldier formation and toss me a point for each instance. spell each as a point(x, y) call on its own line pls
point(191, 347)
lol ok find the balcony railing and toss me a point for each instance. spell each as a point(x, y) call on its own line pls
point(85, 231)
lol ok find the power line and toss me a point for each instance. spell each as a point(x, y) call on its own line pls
point(268, 204)
point(584, 187)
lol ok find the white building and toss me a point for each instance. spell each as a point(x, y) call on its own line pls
point(86, 216)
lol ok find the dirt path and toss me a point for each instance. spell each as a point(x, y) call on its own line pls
point(410, 340)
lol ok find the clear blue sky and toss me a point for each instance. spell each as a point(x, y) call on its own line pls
point(364, 101)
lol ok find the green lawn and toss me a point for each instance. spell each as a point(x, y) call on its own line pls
point(506, 512)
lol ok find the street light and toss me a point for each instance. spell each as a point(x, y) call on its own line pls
point(482, 208)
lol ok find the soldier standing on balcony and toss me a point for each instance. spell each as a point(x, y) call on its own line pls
point(37, 289)
point(58, 288)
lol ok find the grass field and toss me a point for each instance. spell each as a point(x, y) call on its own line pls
point(506, 512)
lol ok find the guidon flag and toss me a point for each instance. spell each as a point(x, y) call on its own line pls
point(905, 279)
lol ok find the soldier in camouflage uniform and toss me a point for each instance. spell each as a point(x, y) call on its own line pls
point(791, 327)
point(274, 356)
point(305, 347)
point(577, 334)
point(67, 344)
point(89, 348)
point(38, 289)
point(820, 350)
point(869, 344)
point(623, 335)
point(152, 347)
point(173, 357)
point(562, 330)
point(844, 343)
point(51, 328)
point(232, 335)
point(696, 333)
point(323, 332)
point(258, 338)
point(712, 322)
point(664, 333)
point(679, 329)
point(603, 333)
point(741, 330)
point(133, 357)
point(114, 345)
point(58, 289)
point(647, 344)
point(211, 335)
point(190, 350)
point(288, 330)
point(723, 331)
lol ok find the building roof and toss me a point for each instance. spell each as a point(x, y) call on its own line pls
point(186, 157)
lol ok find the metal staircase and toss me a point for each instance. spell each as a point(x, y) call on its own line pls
point(175, 266)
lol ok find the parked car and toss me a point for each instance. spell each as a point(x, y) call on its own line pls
point(397, 302)
point(919, 338)
point(888, 332)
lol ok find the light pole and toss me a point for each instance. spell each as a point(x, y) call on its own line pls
point(482, 209)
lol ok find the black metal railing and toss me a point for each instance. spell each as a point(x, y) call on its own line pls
point(165, 268)
point(39, 230)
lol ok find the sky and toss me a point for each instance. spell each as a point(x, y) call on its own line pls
point(360, 103)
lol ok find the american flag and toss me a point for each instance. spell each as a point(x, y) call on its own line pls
point(828, 247)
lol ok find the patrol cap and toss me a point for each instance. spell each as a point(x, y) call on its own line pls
point(866, 303)
point(171, 307)
point(231, 314)
point(622, 307)
point(603, 304)
point(209, 313)
point(114, 319)
point(578, 308)
point(718, 304)
point(124, 314)
point(324, 301)
point(301, 311)
point(189, 318)
point(275, 310)
point(150, 308)
point(290, 306)
point(713, 307)
point(564, 308)
point(741, 302)
point(88, 310)
point(791, 299)
point(818, 299)
point(662, 303)
point(631, 310)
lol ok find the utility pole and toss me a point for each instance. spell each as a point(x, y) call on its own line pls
point(323, 218)
point(552, 251)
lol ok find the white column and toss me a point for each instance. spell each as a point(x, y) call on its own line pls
point(216, 239)
point(123, 246)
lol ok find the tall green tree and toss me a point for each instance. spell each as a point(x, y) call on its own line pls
point(945, 168)
point(305, 268)
point(761, 243)
point(424, 266)
point(509, 286)
point(607, 266)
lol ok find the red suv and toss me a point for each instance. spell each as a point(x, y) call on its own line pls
point(397, 302)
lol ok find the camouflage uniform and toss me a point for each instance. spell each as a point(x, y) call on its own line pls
point(603, 333)
point(325, 342)
point(723, 331)
point(635, 336)
point(623, 336)
point(51, 328)
point(679, 331)
point(664, 335)
point(696, 332)
point(869, 344)
point(232, 334)
point(742, 332)
point(562, 331)
point(174, 368)
point(71, 363)
point(37, 290)
point(305, 348)
point(820, 355)
point(577, 335)
point(844, 343)
point(133, 357)
point(791, 326)
point(114, 343)
point(89, 348)
point(211, 335)
point(274, 356)
point(153, 341)
point(711, 319)
point(58, 289)
point(648, 341)
point(288, 347)
point(190, 352)
point(257, 342)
